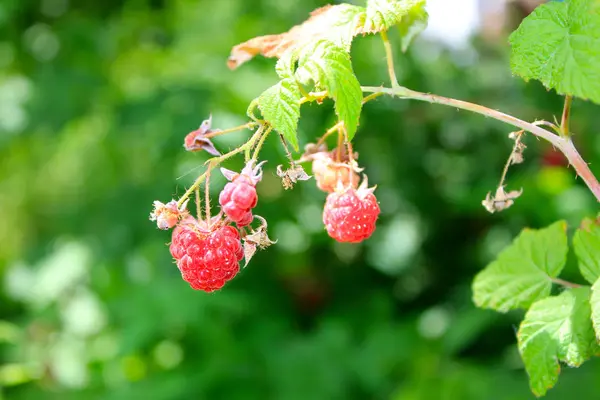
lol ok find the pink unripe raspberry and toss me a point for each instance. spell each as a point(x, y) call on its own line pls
point(350, 214)
point(207, 256)
point(330, 174)
point(239, 196)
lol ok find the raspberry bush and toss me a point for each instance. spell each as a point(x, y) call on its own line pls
point(314, 64)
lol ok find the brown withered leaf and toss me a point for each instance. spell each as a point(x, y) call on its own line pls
point(339, 24)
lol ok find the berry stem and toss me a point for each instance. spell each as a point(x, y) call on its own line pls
point(330, 131)
point(288, 154)
point(198, 206)
point(207, 197)
point(564, 144)
point(564, 122)
point(248, 125)
point(510, 158)
point(215, 161)
point(340, 143)
point(260, 143)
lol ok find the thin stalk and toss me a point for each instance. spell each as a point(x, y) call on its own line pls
point(207, 197)
point(564, 122)
point(288, 154)
point(564, 283)
point(234, 129)
point(565, 145)
point(260, 143)
point(198, 206)
point(215, 161)
point(389, 56)
point(331, 130)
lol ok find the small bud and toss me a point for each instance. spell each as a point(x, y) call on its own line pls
point(195, 140)
point(290, 176)
point(167, 215)
point(501, 200)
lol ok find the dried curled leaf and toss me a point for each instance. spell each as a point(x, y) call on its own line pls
point(257, 239)
point(292, 175)
point(501, 200)
point(336, 23)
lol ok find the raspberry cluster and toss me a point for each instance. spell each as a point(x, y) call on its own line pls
point(207, 255)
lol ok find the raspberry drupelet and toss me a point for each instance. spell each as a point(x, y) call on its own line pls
point(350, 214)
point(207, 255)
point(239, 197)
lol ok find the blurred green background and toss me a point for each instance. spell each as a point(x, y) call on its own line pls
point(95, 99)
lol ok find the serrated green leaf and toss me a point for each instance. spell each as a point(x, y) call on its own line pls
point(595, 304)
point(329, 67)
point(413, 24)
point(556, 329)
point(586, 243)
point(558, 44)
point(280, 106)
point(285, 65)
point(522, 272)
point(381, 15)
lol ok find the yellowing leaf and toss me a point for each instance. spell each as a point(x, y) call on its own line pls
point(334, 23)
point(338, 24)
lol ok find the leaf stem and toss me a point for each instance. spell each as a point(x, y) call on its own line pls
point(389, 56)
point(564, 283)
point(564, 144)
point(564, 122)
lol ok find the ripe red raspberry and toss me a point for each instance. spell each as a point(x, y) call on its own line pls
point(207, 256)
point(239, 197)
point(350, 214)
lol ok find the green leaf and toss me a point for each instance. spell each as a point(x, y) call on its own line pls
point(280, 106)
point(556, 329)
point(558, 44)
point(413, 24)
point(522, 272)
point(595, 303)
point(329, 67)
point(381, 15)
point(587, 248)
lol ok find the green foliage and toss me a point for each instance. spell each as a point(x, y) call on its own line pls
point(556, 329)
point(522, 272)
point(329, 67)
point(280, 106)
point(413, 23)
point(558, 45)
point(381, 15)
point(586, 244)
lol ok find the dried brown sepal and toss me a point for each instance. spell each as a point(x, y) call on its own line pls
point(196, 140)
point(290, 176)
point(318, 26)
point(256, 239)
point(501, 200)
